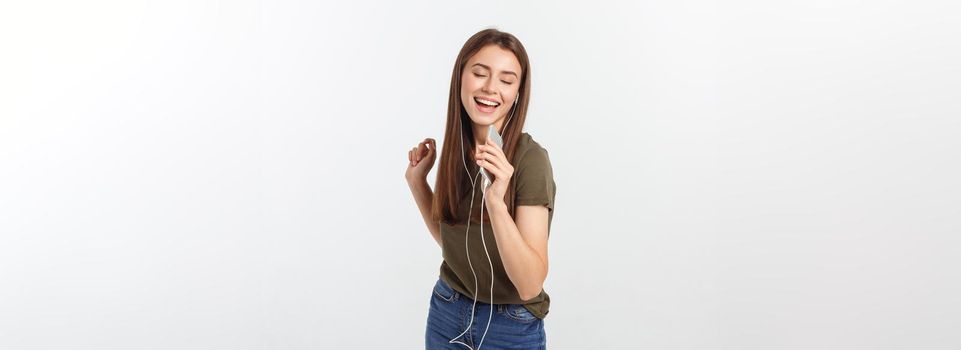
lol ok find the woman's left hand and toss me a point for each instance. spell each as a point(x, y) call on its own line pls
point(492, 158)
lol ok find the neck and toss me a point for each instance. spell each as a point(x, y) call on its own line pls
point(480, 131)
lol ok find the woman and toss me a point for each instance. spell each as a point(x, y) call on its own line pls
point(493, 237)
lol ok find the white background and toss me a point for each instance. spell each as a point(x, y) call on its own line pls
point(229, 174)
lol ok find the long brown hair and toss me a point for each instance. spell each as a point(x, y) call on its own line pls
point(453, 182)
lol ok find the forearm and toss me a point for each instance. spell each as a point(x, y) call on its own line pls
point(524, 266)
point(424, 197)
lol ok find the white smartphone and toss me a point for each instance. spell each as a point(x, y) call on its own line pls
point(492, 132)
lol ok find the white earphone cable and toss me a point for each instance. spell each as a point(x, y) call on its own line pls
point(473, 180)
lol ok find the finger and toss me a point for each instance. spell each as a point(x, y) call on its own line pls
point(483, 155)
point(421, 149)
point(491, 162)
point(492, 150)
point(494, 147)
point(494, 162)
point(491, 168)
point(433, 146)
point(410, 157)
point(496, 158)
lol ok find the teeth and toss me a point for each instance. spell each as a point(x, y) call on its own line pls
point(486, 102)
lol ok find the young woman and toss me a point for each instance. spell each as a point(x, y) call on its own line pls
point(493, 235)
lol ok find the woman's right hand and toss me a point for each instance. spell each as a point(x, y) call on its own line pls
point(421, 160)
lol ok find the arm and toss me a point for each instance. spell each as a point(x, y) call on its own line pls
point(424, 197)
point(522, 245)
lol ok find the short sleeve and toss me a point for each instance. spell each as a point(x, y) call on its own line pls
point(535, 179)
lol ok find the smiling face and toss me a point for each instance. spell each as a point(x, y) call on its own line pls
point(489, 85)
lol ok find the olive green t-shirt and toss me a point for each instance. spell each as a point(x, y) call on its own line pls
point(534, 183)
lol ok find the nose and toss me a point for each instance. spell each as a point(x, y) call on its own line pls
point(489, 86)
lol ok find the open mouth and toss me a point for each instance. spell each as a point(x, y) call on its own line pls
point(486, 106)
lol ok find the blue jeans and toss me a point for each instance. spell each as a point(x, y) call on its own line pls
point(511, 326)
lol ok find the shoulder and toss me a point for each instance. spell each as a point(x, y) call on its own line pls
point(534, 174)
point(531, 156)
point(529, 150)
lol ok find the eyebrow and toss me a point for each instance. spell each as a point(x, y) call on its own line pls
point(489, 68)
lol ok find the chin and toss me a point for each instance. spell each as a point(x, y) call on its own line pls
point(482, 119)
